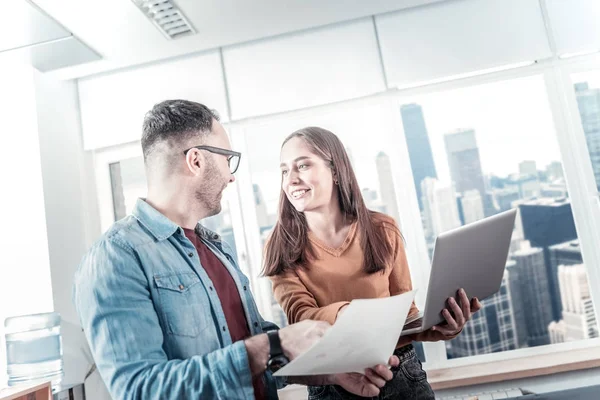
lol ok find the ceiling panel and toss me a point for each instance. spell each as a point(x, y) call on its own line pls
point(122, 34)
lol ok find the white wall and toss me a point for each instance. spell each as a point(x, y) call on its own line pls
point(72, 220)
point(304, 69)
point(460, 36)
point(25, 283)
point(113, 105)
point(68, 192)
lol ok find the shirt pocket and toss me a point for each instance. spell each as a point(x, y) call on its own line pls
point(183, 303)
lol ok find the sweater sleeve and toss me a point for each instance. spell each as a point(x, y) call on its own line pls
point(297, 301)
point(400, 282)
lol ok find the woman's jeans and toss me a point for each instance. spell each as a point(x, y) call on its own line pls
point(409, 382)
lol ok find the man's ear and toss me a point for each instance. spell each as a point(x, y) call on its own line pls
point(194, 161)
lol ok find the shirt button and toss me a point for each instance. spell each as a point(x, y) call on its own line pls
point(224, 329)
point(181, 287)
point(211, 288)
point(245, 288)
point(256, 324)
point(191, 254)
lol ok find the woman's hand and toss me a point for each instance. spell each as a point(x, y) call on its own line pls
point(460, 315)
point(369, 384)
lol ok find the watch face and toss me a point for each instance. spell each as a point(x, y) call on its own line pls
point(276, 363)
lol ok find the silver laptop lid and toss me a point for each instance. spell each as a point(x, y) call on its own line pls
point(472, 257)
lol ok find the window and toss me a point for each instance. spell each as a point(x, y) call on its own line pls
point(480, 150)
point(587, 93)
point(128, 183)
point(472, 152)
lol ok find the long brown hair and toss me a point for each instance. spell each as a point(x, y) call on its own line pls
point(288, 246)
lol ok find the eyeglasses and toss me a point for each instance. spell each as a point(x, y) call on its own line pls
point(233, 157)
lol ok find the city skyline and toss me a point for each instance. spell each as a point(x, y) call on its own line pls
point(441, 117)
point(511, 119)
point(373, 195)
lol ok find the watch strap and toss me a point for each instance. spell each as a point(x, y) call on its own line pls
point(275, 348)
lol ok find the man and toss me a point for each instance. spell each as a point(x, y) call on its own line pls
point(164, 306)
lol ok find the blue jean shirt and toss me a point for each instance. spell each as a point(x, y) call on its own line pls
point(153, 319)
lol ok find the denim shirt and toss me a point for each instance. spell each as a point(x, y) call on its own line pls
point(153, 319)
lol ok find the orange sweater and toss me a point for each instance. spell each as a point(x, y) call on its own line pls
point(337, 277)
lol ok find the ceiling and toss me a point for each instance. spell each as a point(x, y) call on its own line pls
point(123, 36)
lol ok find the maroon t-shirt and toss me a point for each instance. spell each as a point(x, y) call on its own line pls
point(229, 297)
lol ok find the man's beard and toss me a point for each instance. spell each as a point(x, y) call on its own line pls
point(210, 192)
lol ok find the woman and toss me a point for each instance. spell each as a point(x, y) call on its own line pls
point(327, 249)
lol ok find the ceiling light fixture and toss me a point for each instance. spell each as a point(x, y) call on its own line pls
point(167, 17)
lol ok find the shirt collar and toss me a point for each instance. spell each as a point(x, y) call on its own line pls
point(162, 227)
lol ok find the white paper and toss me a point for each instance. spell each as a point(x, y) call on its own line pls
point(364, 335)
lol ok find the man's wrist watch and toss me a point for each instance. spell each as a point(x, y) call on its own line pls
point(277, 359)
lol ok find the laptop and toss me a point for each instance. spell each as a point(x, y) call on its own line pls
point(471, 257)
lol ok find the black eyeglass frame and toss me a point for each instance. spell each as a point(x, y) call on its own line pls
point(217, 150)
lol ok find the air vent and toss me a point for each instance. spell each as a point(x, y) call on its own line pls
point(166, 16)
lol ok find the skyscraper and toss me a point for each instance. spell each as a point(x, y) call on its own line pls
point(528, 186)
point(514, 281)
point(465, 164)
point(473, 340)
point(588, 101)
point(439, 207)
point(261, 207)
point(547, 222)
point(554, 171)
point(528, 167)
point(372, 200)
point(472, 206)
point(557, 331)
point(499, 314)
point(386, 185)
point(579, 320)
point(419, 148)
point(567, 253)
point(491, 331)
point(574, 287)
point(535, 294)
point(557, 190)
point(506, 197)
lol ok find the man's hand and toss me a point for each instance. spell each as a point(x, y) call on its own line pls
point(297, 338)
point(369, 384)
point(462, 314)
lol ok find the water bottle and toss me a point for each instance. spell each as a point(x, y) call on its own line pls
point(34, 349)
